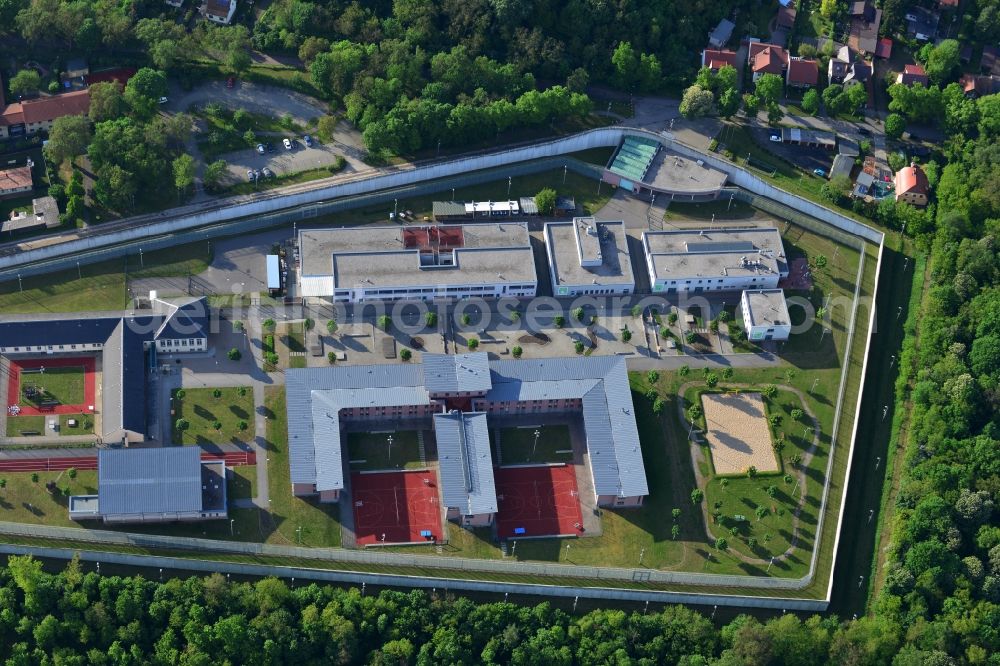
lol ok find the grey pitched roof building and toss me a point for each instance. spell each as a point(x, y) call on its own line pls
point(465, 462)
point(317, 396)
point(456, 373)
point(154, 485)
point(121, 340)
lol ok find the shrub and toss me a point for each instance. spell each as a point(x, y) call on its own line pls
point(71, 472)
point(473, 344)
point(672, 318)
point(217, 393)
point(241, 391)
point(234, 354)
point(516, 352)
point(761, 513)
point(182, 424)
point(675, 531)
point(271, 358)
point(713, 326)
point(269, 325)
point(578, 346)
point(578, 314)
point(751, 543)
point(238, 326)
point(559, 321)
point(697, 496)
point(797, 414)
point(636, 310)
point(34, 477)
point(684, 370)
point(690, 337)
point(406, 354)
point(713, 145)
point(466, 319)
point(331, 327)
point(752, 472)
point(331, 357)
point(242, 425)
point(694, 412)
point(774, 420)
point(626, 334)
point(772, 491)
point(310, 324)
point(658, 405)
point(179, 394)
point(723, 316)
point(217, 425)
point(385, 322)
point(721, 544)
point(769, 391)
point(787, 478)
point(431, 319)
point(665, 333)
point(676, 513)
point(712, 380)
point(652, 376)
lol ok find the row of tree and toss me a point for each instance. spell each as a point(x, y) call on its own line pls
point(83, 618)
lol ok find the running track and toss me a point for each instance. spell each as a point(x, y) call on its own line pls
point(89, 381)
point(232, 459)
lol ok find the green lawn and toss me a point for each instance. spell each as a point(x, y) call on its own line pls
point(371, 451)
point(99, 286)
point(203, 412)
point(320, 523)
point(17, 424)
point(84, 424)
point(243, 483)
point(516, 445)
point(63, 384)
point(27, 501)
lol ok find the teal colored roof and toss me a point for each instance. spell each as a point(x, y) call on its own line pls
point(634, 157)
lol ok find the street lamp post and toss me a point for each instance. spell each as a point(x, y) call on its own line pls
point(535, 445)
point(20, 287)
point(564, 174)
point(298, 535)
point(231, 523)
point(141, 263)
point(395, 208)
point(389, 441)
point(510, 180)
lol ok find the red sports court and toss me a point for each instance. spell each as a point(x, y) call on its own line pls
point(403, 506)
point(32, 368)
point(537, 501)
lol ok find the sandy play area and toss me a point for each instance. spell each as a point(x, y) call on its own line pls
point(738, 433)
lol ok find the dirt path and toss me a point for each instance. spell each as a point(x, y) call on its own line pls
point(701, 480)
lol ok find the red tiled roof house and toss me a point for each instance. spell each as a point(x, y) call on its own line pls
point(912, 186)
point(716, 60)
point(767, 59)
point(802, 73)
point(912, 74)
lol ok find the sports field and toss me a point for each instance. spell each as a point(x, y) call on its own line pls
point(52, 385)
point(516, 446)
point(537, 501)
point(738, 433)
point(395, 507)
point(372, 451)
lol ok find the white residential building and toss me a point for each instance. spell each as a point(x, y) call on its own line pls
point(765, 314)
point(727, 259)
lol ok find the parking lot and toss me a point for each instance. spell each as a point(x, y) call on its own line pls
point(283, 161)
point(801, 156)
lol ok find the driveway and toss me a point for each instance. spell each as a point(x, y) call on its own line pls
point(661, 113)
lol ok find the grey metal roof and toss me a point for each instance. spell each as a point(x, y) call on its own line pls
point(149, 481)
point(314, 398)
point(465, 463)
point(316, 395)
point(451, 373)
point(608, 413)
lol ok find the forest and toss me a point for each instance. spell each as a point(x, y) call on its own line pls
point(74, 618)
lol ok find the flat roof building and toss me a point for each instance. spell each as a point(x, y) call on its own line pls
point(153, 486)
point(726, 259)
point(588, 257)
point(321, 400)
point(765, 314)
point(356, 264)
point(806, 137)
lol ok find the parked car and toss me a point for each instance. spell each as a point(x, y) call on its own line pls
point(250, 175)
point(288, 144)
point(307, 140)
point(260, 148)
point(267, 173)
point(230, 82)
point(776, 138)
point(270, 147)
point(819, 172)
point(163, 100)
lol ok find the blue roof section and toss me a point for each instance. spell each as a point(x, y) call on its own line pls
point(465, 462)
point(456, 373)
point(149, 481)
point(57, 331)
